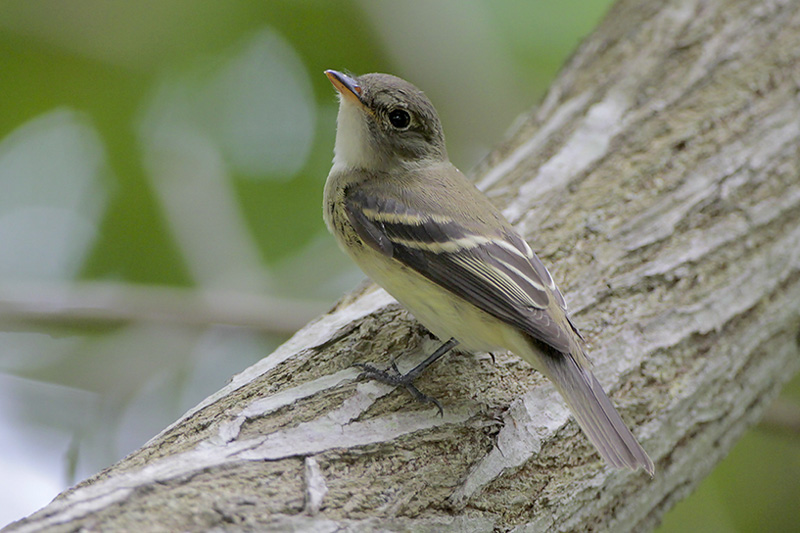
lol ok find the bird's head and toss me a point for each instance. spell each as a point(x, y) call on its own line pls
point(384, 122)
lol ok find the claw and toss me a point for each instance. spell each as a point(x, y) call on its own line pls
point(397, 379)
point(407, 380)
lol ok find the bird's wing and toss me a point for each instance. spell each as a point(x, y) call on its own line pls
point(496, 272)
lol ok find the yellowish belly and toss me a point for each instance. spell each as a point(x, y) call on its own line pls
point(439, 310)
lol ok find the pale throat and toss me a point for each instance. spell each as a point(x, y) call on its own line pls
point(353, 148)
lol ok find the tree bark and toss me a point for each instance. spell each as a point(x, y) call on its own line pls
point(660, 179)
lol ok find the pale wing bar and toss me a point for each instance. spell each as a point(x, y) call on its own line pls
point(493, 274)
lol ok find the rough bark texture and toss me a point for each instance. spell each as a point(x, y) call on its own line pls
point(660, 179)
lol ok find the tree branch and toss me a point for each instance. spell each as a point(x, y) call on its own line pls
point(660, 179)
point(103, 303)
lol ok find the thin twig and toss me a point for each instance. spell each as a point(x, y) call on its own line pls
point(782, 417)
point(102, 303)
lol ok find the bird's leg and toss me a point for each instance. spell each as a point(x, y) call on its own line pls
point(407, 379)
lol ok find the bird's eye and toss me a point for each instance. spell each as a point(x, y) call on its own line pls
point(399, 118)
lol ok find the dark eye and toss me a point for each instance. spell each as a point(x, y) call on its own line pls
point(399, 118)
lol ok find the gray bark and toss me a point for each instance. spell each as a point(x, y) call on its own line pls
point(660, 179)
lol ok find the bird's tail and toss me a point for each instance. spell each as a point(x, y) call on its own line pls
point(594, 412)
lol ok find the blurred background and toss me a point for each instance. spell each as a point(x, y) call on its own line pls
point(161, 172)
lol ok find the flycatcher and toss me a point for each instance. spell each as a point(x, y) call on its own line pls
point(421, 230)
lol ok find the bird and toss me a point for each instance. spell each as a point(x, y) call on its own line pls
point(421, 230)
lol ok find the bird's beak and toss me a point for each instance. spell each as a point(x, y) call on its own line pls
point(347, 86)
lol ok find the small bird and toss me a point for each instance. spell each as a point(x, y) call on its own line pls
point(417, 227)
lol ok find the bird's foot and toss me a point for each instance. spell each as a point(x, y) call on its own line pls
point(394, 377)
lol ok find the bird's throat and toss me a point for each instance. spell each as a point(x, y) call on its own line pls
point(353, 148)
